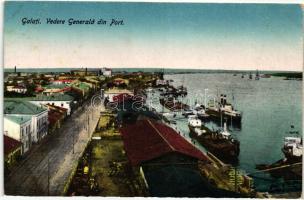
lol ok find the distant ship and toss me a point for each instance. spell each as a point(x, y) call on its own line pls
point(265, 76)
point(257, 75)
point(219, 143)
point(224, 111)
point(250, 75)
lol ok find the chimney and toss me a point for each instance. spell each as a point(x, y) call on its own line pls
point(221, 99)
point(224, 100)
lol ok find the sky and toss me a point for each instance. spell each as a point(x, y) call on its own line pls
point(164, 35)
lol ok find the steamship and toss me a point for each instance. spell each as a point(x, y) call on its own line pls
point(223, 111)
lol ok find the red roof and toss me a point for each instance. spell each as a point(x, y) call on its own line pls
point(146, 140)
point(64, 80)
point(10, 144)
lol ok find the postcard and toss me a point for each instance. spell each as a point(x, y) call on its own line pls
point(146, 99)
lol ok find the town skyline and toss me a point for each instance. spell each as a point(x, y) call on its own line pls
point(198, 36)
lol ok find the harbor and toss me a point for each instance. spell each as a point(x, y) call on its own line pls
point(236, 174)
point(150, 99)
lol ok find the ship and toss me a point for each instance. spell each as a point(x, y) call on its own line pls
point(257, 75)
point(293, 149)
point(250, 75)
point(266, 76)
point(290, 167)
point(219, 143)
point(198, 110)
point(173, 105)
point(223, 111)
point(174, 92)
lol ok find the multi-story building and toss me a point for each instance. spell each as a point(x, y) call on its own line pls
point(23, 108)
point(19, 128)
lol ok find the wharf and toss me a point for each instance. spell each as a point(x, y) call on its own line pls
point(225, 177)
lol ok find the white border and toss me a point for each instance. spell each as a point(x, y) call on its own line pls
point(156, 1)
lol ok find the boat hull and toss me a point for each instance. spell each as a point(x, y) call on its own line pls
point(223, 149)
point(174, 106)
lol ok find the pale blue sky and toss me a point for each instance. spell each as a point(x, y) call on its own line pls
point(208, 36)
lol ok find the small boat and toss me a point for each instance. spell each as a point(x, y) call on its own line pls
point(173, 105)
point(150, 90)
point(193, 121)
point(200, 111)
point(186, 113)
point(168, 114)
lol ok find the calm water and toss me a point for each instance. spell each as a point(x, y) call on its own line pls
point(269, 107)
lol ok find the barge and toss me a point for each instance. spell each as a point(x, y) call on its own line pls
point(173, 105)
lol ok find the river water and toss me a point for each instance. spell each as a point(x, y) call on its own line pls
point(269, 107)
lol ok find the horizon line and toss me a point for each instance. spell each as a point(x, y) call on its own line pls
point(219, 69)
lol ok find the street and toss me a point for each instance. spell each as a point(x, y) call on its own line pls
point(48, 167)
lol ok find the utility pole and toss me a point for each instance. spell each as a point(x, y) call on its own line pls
point(73, 136)
point(48, 174)
point(88, 124)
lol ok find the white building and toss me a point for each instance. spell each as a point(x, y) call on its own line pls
point(19, 128)
point(18, 89)
point(106, 72)
point(110, 93)
point(162, 82)
point(23, 108)
point(61, 100)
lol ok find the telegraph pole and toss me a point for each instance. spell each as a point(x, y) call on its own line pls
point(48, 174)
point(88, 119)
point(73, 141)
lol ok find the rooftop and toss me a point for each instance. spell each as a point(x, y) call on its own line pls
point(56, 86)
point(82, 86)
point(21, 106)
point(18, 119)
point(147, 139)
point(54, 97)
point(118, 91)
